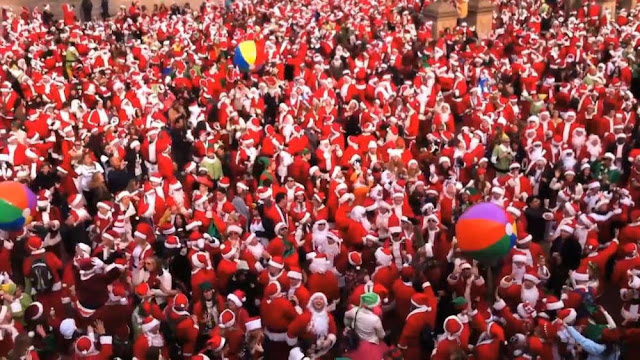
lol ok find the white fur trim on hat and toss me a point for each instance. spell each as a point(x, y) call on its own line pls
point(531, 277)
point(519, 258)
point(571, 317)
point(525, 239)
point(497, 190)
point(579, 276)
point(235, 299)
point(234, 228)
point(566, 228)
point(150, 325)
point(294, 274)
point(254, 324)
point(275, 264)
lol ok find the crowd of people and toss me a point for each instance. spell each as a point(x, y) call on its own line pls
point(306, 209)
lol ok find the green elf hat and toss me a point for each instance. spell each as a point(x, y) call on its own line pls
point(369, 300)
point(459, 303)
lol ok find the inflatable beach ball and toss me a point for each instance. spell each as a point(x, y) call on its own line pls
point(485, 232)
point(248, 56)
point(17, 203)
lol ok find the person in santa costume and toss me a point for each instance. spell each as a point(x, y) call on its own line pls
point(151, 338)
point(322, 280)
point(233, 334)
point(449, 342)
point(43, 268)
point(277, 313)
point(183, 326)
point(315, 326)
point(463, 282)
point(420, 319)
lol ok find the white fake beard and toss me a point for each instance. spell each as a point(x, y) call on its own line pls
point(319, 323)
point(530, 295)
point(594, 151)
point(256, 250)
point(382, 221)
point(518, 273)
point(329, 250)
point(319, 266)
point(319, 238)
point(578, 141)
point(536, 154)
point(569, 162)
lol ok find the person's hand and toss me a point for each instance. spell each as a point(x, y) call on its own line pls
point(40, 331)
point(98, 326)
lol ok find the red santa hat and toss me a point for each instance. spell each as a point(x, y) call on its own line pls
point(264, 193)
point(216, 343)
point(180, 302)
point(227, 319)
point(383, 256)
point(453, 327)
point(394, 225)
point(634, 155)
point(118, 293)
point(421, 300)
point(567, 228)
point(580, 274)
point(144, 231)
point(84, 346)
point(568, 316)
point(280, 226)
point(552, 303)
point(519, 257)
point(531, 276)
point(254, 323)
point(294, 273)
point(200, 260)
point(237, 297)
point(591, 244)
point(355, 259)
point(149, 323)
point(276, 262)
point(224, 182)
point(273, 289)
point(34, 243)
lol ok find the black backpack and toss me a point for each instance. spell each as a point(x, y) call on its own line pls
point(41, 277)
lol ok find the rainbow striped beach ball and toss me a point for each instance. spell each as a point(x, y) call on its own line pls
point(485, 232)
point(248, 56)
point(17, 204)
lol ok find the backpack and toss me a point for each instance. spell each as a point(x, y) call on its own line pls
point(41, 278)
